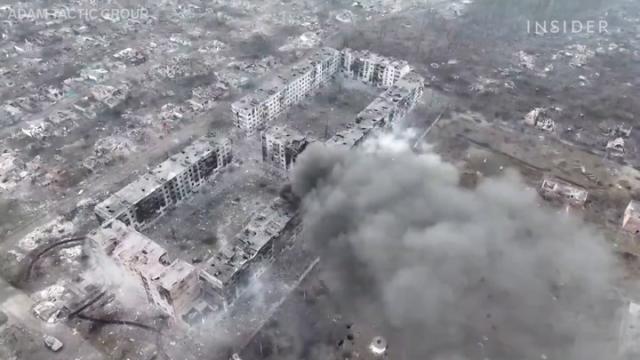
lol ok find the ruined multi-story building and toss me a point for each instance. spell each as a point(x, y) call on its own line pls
point(226, 274)
point(171, 286)
point(390, 107)
point(176, 179)
point(372, 68)
point(281, 145)
point(403, 87)
point(395, 102)
point(284, 90)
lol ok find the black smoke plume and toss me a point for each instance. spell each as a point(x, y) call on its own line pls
point(452, 273)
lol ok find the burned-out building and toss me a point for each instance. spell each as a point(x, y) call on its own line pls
point(561, 191)
point(171, 286)
point(394, 103)
point(174, 180)
point(226, 274)
point(371, 68)
point(283, 90)
point(281, 145)
point(179, 287)
point(388, 108)
point(631, 219)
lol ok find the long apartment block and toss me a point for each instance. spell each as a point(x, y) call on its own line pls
point(285, 89)
point(289, 87)
point(226, 274)
point(391, 106)
point(146, 199)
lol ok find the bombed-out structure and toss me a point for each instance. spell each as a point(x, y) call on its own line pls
point(174, 180)
point(227, 272)
point(171, 286)
point(285, 89)
point(391, 106)
point(564, 192)
point(292, 85)
point(371, 68)
point(281, 145)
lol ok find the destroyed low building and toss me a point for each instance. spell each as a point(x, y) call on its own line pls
point(539, 118)
point(631, 218)
point(555, 189)
point(110, 95)
point(132, 56)
point(281, 145)
point(616, 146)
point(143, 201)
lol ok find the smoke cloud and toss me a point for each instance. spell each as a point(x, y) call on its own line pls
point(452, 273)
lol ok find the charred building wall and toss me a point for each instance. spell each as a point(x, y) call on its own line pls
point(149, 197)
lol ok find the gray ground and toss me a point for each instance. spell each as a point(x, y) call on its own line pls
point(476, 77)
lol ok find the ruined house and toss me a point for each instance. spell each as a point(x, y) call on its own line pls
point(564, 192)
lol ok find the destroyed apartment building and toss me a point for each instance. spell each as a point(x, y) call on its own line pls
point(391, 106)
point(563, 192)
point(284, 90)
point(226, 274)
point(281, 145)
point(371, 68)
point(168, 184)
point(176, 287)
point(256, 110)
point(172, 287)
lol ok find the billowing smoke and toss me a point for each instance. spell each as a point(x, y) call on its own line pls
point(453, 273)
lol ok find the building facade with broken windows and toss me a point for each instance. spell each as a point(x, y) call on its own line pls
point(388, 108)
point(170, 286)
point(402, 86)
point(146, 199)
point(256, 110)
point(371, 68)
point(228, 272)
point(281, 145)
